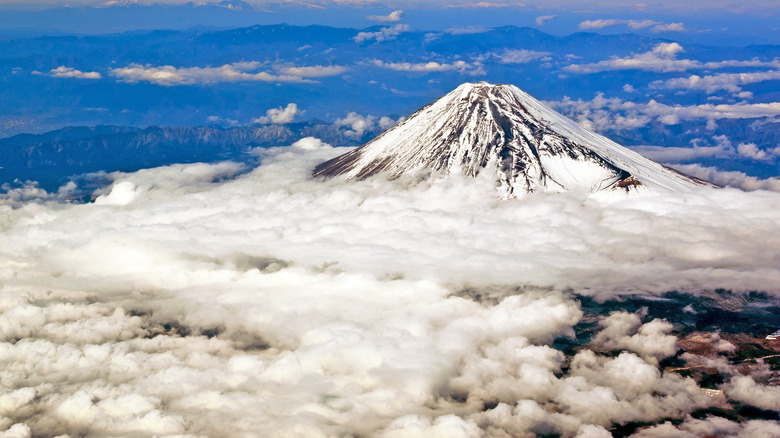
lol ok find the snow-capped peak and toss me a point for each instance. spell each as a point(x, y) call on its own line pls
point(499, 128)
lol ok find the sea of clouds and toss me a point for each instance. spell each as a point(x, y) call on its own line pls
point(217, 300)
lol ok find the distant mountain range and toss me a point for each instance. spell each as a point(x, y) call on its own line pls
point(50, 82)
point(52, 157)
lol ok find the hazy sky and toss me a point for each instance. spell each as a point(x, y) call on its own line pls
point(574, 5)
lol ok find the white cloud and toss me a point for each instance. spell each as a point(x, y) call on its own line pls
point(482, 5)
point(245, 71)
point(730, 82)
point(466, 30)
point(392, 17)
point(168, 75)
point(216, 299)
point(432, 66)
point(746, 390)
point(359, 124)
point(640, 24)
point(522, 56)
point(279, 115)
point(598, 24)
point(750, 150)
point(669, 27)
point(601, 113)
point(633, 25)
point(625, 331)
point(431, 37)
point(711, 426)
point(663, 58)
point(669, 154)
point(384, 34)
point(69, 72)
point(312, 71)
point(540, 20)
point(729, 178)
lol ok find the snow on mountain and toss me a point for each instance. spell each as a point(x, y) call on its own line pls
point(499, 128)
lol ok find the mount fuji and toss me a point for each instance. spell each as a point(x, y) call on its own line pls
point(530, 147)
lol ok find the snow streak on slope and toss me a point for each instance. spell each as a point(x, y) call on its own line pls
point(529, 146)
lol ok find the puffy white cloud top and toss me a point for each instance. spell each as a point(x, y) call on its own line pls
point(191, 301)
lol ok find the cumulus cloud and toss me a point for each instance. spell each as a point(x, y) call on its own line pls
point(358, 124)
point(744, 389)
point(392, 17)
point(474, 68)
point(279, 115)
point(205, 298)
point(625, 331)
point(168, 75)
point(384, 34)
point(633, 25)
point(69, 72)
point(540, 20)
point(711, 426)
point(750, 150)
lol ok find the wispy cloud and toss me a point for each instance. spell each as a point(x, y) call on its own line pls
point(384, 34)
point(312, 71)
point(655, 26)
point(732, 178)
point(69, 72)
point(598, 24)
point(432, 66)
point(668, 154)
point(522, 56)
point(465, 30)
point(602, 114)
point(168, 75)
point(730, 82)
point(663, 58)
point(483, 5)
point(540, 20)
point(392, 17)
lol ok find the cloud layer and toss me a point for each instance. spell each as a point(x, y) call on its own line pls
point(205, 300)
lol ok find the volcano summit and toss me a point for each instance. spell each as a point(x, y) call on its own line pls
point(500, 128)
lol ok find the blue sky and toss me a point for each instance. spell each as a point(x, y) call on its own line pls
point(747, 22)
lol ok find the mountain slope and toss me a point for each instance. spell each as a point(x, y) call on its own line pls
point(502, 129)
